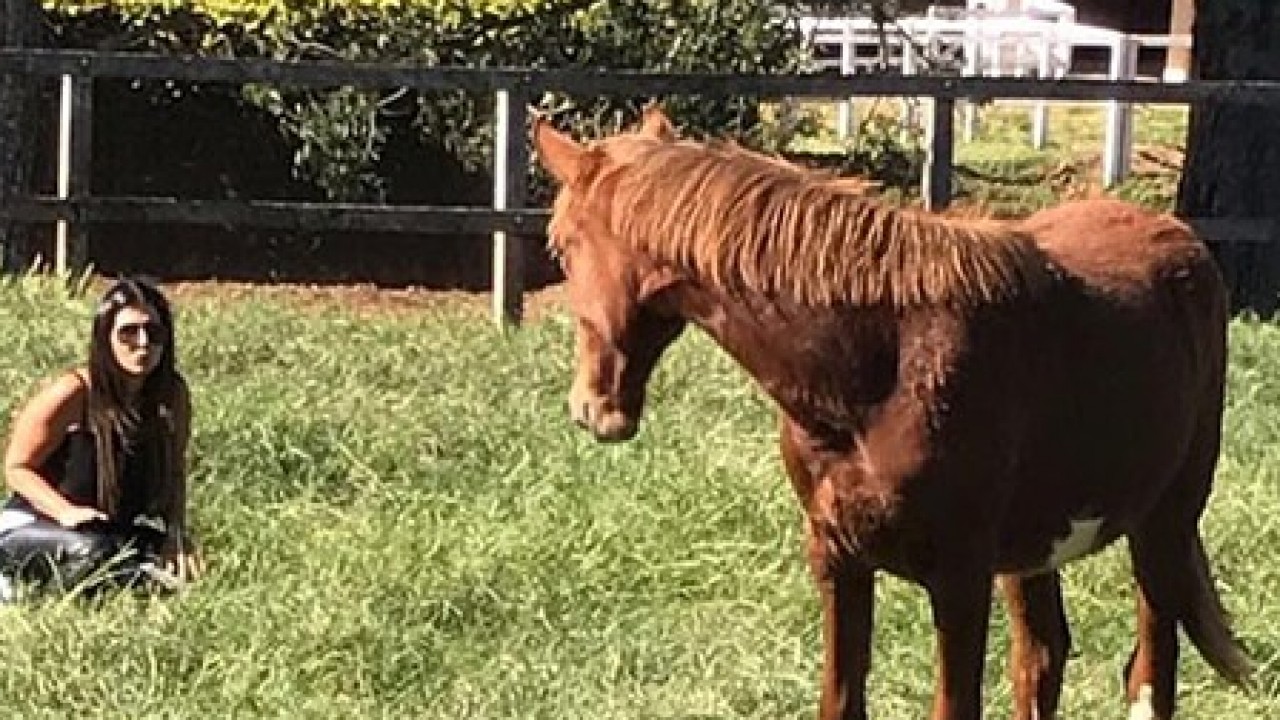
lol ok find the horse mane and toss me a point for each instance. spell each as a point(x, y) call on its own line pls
point(746, 221)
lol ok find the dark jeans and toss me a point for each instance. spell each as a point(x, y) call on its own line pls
point(92, 556)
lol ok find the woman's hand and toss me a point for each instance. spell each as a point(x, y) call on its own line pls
point(180, 556)
point(76, 515)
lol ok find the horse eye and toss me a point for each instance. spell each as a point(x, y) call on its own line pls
point(556, 251)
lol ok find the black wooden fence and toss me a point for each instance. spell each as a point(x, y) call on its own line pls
point(74, 209)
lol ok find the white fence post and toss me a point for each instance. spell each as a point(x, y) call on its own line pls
point(907, 103)
point(972, 68)
point(510, 165)
point(846, 111)
point(1119, 124)
point(75, 144)
point(60, 231)
point(1040, 114)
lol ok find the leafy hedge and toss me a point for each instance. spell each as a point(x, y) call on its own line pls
point(339, 138)
point(210, 142)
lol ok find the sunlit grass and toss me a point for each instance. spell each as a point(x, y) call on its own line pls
point(1000, 171)
point(401, 522)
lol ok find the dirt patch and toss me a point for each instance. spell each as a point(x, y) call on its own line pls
point(363, 298)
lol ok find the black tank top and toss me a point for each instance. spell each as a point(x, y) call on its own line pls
point(72, 470)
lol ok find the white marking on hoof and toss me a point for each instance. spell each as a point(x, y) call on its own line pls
point(1082, 540)
point(1142, 709)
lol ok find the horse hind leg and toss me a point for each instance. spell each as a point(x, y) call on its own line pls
point(1150, 673)
point(1041, 640)
point(1175, 587)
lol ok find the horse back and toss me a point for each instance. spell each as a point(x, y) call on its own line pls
point(1138, 284)
point(1123, 251)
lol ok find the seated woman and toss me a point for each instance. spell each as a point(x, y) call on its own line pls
point(97, 460)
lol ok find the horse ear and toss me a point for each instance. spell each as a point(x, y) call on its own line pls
point(655, 123)
point(657, 280)
point(560, 154)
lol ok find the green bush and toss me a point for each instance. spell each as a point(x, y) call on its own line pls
point(337, 139)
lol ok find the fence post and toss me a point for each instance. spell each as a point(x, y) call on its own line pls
point(1040, 113)
point(510, 167)
point(75, 167)
point(846, 111)
point(937, 167)
point(1119, 127)
point(972, 68)
point(906, 103)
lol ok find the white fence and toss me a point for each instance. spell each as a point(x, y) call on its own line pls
point(989, 44)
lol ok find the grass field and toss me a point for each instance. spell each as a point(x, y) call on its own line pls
point(401, 523)
point(1001, 172)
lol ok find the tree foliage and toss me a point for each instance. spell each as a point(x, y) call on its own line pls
point(338, 138)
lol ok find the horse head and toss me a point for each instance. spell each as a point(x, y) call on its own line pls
point(616, 293)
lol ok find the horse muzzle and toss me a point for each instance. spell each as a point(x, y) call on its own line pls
point(601, 419)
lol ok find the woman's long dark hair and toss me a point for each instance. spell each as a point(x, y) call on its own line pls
point(141, 425)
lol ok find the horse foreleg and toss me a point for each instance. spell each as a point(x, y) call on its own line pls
point(961, 600)
point(1041, 640)
point(848, 595)
point(847, 587)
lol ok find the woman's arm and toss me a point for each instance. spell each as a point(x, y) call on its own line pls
point(179, 550)
point(176, 517)
point(38, 429)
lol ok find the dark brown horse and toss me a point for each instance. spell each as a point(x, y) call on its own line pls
point(961, 401)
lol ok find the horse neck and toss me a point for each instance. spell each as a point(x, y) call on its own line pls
point(827, 365)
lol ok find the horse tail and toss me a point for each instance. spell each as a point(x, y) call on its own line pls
point(1202, 615)
point(1205, 622)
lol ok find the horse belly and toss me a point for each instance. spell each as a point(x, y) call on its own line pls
point(1099, 459)
point(1084, 538)
point(1049, 545)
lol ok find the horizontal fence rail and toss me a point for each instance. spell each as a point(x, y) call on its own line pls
point(73, 210)
point(329, 74)
point(274, 215)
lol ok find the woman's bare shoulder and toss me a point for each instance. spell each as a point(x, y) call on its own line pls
point(73, 382)
point(66, 391)
point(52, 410)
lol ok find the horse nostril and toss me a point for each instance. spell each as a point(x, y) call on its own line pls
point(581, 414)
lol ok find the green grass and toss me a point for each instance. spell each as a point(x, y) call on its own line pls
point(1003, 171)
point(1000, 171)
point(401, 522)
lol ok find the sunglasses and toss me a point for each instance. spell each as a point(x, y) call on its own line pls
point(132, 332)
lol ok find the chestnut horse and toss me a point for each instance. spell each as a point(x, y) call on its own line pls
point(962, 401)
